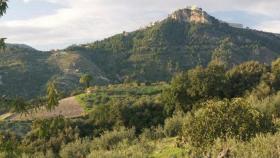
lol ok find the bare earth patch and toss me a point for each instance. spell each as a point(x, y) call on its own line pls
point(68, 107)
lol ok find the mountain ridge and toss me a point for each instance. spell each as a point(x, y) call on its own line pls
point(187, 38)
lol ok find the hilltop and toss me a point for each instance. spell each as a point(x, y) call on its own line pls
point(187, 38)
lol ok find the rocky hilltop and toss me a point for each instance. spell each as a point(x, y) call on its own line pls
point(191, 14)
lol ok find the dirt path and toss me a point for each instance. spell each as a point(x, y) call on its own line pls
point(68, 107)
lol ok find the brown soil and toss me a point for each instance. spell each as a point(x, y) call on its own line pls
point(69, 108)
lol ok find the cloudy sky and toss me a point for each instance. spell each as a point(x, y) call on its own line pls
point(50, 24)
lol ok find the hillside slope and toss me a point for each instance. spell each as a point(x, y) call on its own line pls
point(182, 41)
point(187, 38)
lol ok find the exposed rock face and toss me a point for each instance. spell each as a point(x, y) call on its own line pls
point(191, 14)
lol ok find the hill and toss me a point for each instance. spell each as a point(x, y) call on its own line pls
point(187, 38)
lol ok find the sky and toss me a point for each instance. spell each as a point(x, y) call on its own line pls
point(56, 24)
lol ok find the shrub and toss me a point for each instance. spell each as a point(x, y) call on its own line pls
point(49, 134)
point(153, 133)
point(244, 77)
point(110, 139)
point(269, 105)
point(79, 148)
point(123, 150)
point(173, 126)
point(143, 114)
point(222, 119)
point(260, 147)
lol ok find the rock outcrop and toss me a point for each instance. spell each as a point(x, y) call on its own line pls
point(191, 14)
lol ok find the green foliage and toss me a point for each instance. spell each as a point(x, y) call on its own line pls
point(140, 113)
point(52, 96)
point(49, 135)
point(86, 79)
point(174, 125)
point(244, 77)
point(269, 105)
point(194, 85)
point(110, 140)
point(143, 114)
point(9, 145)
point(261, 146)
point(222, 119)
point(78, 148)
point(3, 7)
point(103, 95)
point(153, 133)
point(224, 52)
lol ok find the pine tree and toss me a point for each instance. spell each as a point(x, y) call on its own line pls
point(52, 96)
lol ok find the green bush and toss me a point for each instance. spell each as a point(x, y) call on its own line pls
point(173, 126)
point(262, 146)
point(49, 134)
point(244, 77)
point(153, 133)
point(222, 119)
point(110, 139)
point(144, 113)
point(79, 148)
point(269, 105)
point(125, 149)
point(48, 154)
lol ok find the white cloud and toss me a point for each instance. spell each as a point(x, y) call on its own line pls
point(88, 20)
point(270, 26)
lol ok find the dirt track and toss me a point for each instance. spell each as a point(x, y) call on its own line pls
point(68, 107)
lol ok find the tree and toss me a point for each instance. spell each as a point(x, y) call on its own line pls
point(86, 79)
point(19, 105)
point(225, 119)
point(195, 85)
point(244, 77)
point(52, 96)
point(3, 8)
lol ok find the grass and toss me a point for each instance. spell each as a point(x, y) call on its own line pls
point(166, 148)
point(99, 96)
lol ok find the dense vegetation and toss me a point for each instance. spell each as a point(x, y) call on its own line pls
point(205, 111)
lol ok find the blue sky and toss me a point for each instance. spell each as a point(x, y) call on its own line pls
point(52, 24)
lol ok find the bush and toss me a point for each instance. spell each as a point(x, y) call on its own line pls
point(222, 119)
point(260, 147)
point(153, 133)
point(244, 77)
point(269, 105)
point(143, 114)
point(48, 154)
point(49, 134)
point(123, 150)
point(79, 148)
point(173, 126)
point(110, 139)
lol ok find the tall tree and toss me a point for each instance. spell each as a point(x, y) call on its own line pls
point(52, 96)
point(86, 79)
